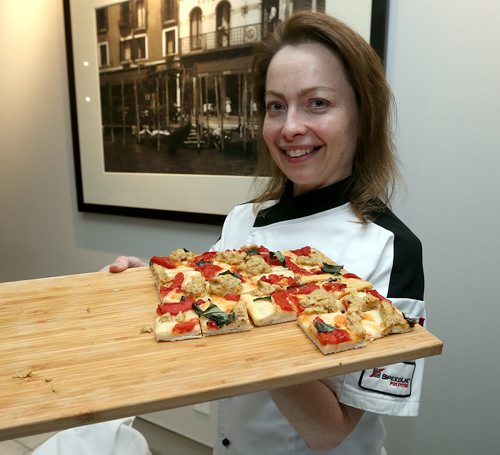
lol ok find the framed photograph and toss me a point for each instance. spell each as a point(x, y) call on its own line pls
point(163, 121)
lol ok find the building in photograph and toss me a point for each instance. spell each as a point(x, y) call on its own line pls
point(168, 63)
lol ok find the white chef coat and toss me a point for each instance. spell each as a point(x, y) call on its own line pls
point(384, 252)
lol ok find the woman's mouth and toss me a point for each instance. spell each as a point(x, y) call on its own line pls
point(297, 153)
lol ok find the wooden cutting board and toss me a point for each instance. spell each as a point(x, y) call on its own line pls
point(82, 339)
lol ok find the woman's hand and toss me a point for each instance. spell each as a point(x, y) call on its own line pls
point(122, 263)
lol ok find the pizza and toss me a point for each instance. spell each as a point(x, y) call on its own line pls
point(221, 292)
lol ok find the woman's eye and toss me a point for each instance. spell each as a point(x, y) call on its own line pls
point(274, 106)
point(319, 103)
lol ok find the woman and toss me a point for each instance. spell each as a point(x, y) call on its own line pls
point(325, 107)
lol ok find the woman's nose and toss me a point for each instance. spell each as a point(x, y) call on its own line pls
point(293, 125)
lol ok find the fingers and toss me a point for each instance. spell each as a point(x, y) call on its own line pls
point(122, 263)
point(119, 265)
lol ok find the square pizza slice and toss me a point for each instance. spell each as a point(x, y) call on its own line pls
point(333, 332)
point(274, 308)
point(219, 315)
point(224, 311)
point(178, 289)
point(177, 320)
point(379, 316)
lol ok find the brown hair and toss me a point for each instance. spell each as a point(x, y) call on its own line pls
point(375, 170)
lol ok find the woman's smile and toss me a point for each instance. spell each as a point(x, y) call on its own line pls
point(295, 153)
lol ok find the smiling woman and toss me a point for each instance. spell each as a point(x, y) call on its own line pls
point(324, 104)
point(324, 107)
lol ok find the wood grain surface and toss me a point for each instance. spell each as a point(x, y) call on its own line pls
point(82, 338)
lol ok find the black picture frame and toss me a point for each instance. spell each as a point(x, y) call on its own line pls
point(101, 201)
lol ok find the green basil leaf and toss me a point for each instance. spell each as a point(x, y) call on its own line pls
point(279, 256)
point(331, 268)
point(229, 272)
point(214, 313)
point(411, 320)
point(197, 309)
point(267, 297)
point(323, 326)
point(252, 251)
point(200, 263)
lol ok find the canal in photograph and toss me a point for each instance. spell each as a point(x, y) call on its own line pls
point(129, 156)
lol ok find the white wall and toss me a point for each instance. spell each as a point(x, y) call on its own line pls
point(444, 68)
point(443, 63)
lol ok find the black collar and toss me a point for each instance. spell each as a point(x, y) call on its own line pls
point(291, 207)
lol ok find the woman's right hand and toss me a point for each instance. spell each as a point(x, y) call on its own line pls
point(122, 263)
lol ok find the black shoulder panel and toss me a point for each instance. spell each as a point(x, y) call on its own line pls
point(407, 276)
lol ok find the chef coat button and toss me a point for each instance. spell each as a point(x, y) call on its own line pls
point(226, 442)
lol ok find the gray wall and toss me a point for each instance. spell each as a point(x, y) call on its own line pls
point(444, 66)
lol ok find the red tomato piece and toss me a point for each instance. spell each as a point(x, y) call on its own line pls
point(274, 261)
point(282, 300)
point(305, 251)
point(295, 268)
point(337, 336)
point(164, 261)
point(305, 289)
point(176, 285)
point(334, 286)
point(233, 297)
point(279, 279)
point(351, 275)
point(264, 253)
point(209, 270)
point(212, 324)
point(175, 307)
point(207, 256)
point(185, 326)
point(376, 294)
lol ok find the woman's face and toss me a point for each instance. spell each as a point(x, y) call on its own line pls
point(311, 121)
